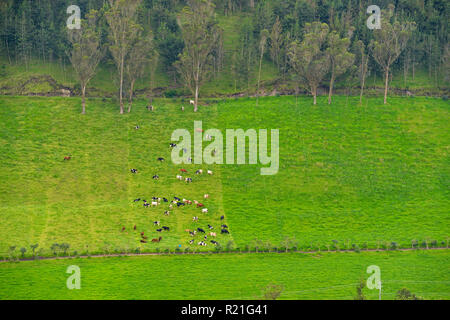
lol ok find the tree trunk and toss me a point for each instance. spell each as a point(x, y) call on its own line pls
point(362, 89)
point(259, 77)
point(196, 98)
point(386, 86)
point(121, 86)
point(131, 96)
point(315, 95)
point(83, 99)
point(331, 89)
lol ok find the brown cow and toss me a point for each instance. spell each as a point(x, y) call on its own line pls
point(157, 240)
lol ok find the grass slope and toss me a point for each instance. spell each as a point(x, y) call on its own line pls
point(348, 173)
point(231, 276)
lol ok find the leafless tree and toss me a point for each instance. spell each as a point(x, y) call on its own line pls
point(389, 42)
point(86, 52)
point(308, 59)
point(123, 30)
point(201, 35)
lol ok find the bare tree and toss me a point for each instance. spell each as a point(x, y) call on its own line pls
point(276, 42)
point(138, 61)
point(201, 35)
point(86, 52)
point(308, 59)
point(340, 58)
point(362, 59)
point(389, 43)
point(262, 46)
point(123, 30)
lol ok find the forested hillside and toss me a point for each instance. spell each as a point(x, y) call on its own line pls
point(252, 47)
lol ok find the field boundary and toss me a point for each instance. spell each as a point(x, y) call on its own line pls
point(111, 255)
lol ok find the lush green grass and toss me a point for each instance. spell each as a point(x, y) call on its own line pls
point(361, 174)
point(230, 276)
point(348, 173)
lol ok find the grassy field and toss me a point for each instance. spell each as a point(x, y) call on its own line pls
point(230, 276)
point(364, 175)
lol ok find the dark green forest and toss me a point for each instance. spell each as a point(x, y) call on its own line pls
point(36, 31)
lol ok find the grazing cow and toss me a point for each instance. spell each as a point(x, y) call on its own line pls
point(210, 172)
point(155, 198)
point(143, 241)
point(183, 170)
point(189, 202)
point(212, 234)
point(67, 158)
point(192, 102)
point(199, 205)
point(165, 200)
point(210, 227)
point(187, 230)
point(160, 159)
point(123, 229)
point(146, 204)
point(214, 242)
point(192, 233)
point(156, 223)
point(154, 203)
point(137, 200)
point(224, 226)
point(156, 177)
point(195, 201)
point(170, 206)
point(173, 145)
point(224, 231)
point(200, 230)
point(144, 237)
point(222, 217)
point(134, 228)
point(137, 127)
point(205, 210)
point(182, 108)
point(195, 219)
point(167, 213)
point(159, 230)
point(157, 240)
point(150, 108)
point(166, 228)
point(188, 180)
point(133, 170)
point(180, 204)
point(142, 233)
point(205, 237)
point(200, 171)
point(179, 177)
point(191, 241)
point(176, 198)
point(206, 196)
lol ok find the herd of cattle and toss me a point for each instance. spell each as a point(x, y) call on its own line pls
point(180, 203)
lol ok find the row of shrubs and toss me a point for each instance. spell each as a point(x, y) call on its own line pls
point(288, 245)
